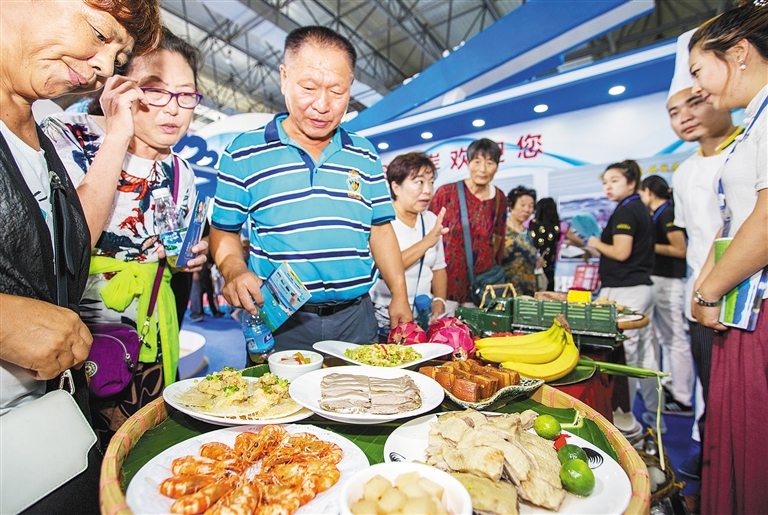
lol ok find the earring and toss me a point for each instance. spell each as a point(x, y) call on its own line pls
point(742, 66)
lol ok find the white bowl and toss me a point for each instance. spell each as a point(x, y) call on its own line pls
point(290, 370)
point(455, 497)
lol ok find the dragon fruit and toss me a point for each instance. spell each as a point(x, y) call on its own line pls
point(441, 323)
point(407, 333)
point(458, 338)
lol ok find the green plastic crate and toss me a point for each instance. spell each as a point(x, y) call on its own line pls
point(581, 317)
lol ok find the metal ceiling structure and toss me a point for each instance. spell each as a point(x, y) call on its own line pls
point(395, 39)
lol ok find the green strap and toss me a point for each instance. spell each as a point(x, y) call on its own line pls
point(134, 279)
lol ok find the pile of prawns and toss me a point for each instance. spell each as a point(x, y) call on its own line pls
point(291, 469)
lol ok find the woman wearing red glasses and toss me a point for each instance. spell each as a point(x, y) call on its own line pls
point(146, 111)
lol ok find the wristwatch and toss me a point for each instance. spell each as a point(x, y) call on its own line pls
point(701, 302)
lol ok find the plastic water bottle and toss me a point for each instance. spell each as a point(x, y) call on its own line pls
point(168, 225)
point(166, 214)
point(423, 310)
point(258, 338)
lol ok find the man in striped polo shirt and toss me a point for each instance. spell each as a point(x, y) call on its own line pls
point(315, 196)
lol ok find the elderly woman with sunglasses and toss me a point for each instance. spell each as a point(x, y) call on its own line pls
point(146, 111)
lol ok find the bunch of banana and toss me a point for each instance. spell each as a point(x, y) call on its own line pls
point(560, 367)
point(541, 347)
point(547, 355)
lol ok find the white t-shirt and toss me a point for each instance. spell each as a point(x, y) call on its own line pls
point(434, 259)
point(697, 210)
point(746, 171)
point(16, 386)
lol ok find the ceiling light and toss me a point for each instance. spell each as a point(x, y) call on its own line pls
point(478, 123)
point(541, 108)
point(617, 90)
point(383, 145)
point(426, 135)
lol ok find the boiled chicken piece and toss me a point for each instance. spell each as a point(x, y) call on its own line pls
point(452, 428)
point(488, 497)
point(480, 461)
point(516, 463)
point(543, 487)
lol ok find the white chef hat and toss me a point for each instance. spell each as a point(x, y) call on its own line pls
point(682, 78)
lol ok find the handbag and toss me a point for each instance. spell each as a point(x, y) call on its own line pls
point(494, 275)
point(114, 354)
point(48, 442)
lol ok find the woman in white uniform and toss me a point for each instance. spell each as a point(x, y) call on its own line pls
point(729, 65)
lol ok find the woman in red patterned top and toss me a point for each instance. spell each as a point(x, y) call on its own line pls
point(486, 210)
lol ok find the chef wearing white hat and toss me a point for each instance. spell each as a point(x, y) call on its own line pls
point(696, 206)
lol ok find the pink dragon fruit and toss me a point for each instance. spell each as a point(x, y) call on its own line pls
point(458, 338)
point(407, 333)
point(441, 323)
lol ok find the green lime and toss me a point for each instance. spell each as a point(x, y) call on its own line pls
point(571, 452)
point(547, 426)
point(577, 477)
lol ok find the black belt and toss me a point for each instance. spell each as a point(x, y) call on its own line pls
point(327, 309)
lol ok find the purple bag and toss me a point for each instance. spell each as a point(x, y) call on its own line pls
point(113, 358)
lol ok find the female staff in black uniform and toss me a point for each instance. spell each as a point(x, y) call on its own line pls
point(626, 263)
point(669, 289)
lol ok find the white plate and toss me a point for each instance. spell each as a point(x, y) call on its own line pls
point(427, 350)
point(629, 318)
point(306, 391)
point(143, 495)
point(170, 395)
point(612, 492)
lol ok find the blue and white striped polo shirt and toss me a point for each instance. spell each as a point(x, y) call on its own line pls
point(315, 216)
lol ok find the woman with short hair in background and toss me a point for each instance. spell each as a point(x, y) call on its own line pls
point(486, 211)
point(411, 179)
point(520, 252)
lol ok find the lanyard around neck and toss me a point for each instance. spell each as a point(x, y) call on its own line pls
point(629, 199)
point(724, 211)
point(658, 212)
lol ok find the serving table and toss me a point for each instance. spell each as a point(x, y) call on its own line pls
point(157, 427)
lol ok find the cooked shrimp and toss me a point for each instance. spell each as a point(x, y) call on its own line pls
point(217, 451)
point(306, 451)
point(177, 486)
point(277, 500)
point(243, 500)
point(318, 475)
point(251, 447)
point(201, 500)
point(201, 466)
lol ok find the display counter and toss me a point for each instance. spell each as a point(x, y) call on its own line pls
point(157, 427)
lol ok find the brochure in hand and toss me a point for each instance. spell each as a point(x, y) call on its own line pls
point(741, 306)
point(284, 294)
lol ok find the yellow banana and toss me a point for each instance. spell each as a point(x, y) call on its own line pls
point(544, 351)
point(525, 339)
point(560, 367)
